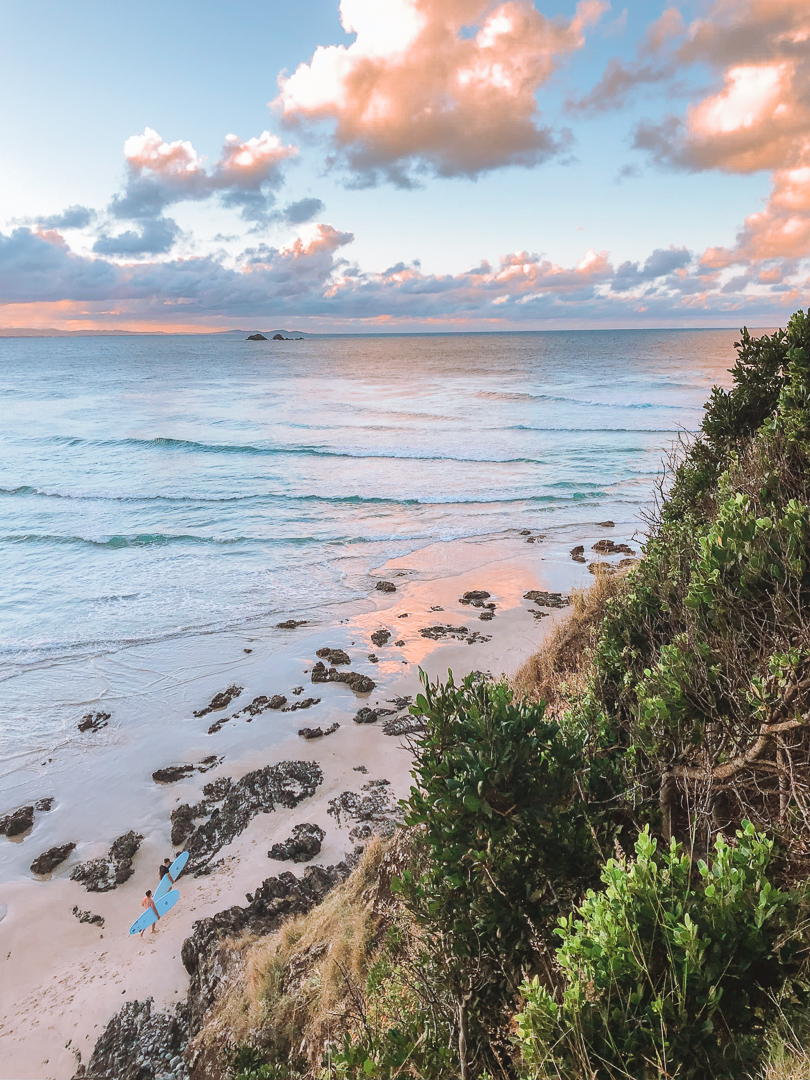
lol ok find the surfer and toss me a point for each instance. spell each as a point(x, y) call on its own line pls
point(163, 870)
point(148, 902)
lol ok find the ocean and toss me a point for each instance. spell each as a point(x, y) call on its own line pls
point(172, 489)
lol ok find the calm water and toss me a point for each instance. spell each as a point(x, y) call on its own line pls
point(154, 487)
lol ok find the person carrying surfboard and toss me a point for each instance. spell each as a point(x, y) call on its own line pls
point(146, 903)
point(165, 869)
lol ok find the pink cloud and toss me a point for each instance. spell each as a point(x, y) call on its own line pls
point(418, 89)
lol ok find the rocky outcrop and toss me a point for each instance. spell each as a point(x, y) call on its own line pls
point(607, 547)
point(547, 599)
point(88, 917)
point(140, 1043)
point(317, 732)
point(438, 633)
point(220, 701)
point(333, 656)
point(474, 594)
point(304, 844)
point(93, 721)
point(48, 861)
point(385, 586)
point(261, 704)
point(101, 875)
point(380, 637)
point(276, 899)
point(256, 337)
point(286, 784)
point(361, 684)
point(373, 811)
point(366, 716)
point(17, 822)
point(304, 703)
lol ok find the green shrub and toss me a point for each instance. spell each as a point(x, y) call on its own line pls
point(664, 976)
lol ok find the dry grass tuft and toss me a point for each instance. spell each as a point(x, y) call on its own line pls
point(559, 670)
point(302, 987)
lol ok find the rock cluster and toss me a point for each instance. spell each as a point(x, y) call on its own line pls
point(17, 822)
point(261, 704)
point(361, 684)
point(172, 773)
point(276, 899)
point(547, 599)
point(317, 732)
point(304, 703)
point(230, 807)
point(578, 553)
point(88, 917)
point(220, 701)
point(374, 812)
point(50, 859)
point(366, 716)
point(304, 844)
point(607, 547)
point(437, 633)
point(101, 875)
point(333, 656)
point(380, 637)
point(140, 1043)
point(93, 721)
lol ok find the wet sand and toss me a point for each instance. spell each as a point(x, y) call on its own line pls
point(60, 980)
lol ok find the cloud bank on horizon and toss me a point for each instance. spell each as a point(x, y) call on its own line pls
point(430, 90)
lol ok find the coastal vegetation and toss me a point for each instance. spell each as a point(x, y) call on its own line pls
point(601, 868)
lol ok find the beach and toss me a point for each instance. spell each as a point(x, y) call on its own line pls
point(62, 980)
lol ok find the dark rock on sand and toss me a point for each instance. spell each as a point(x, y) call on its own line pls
point(361, 684)
point(380, 637)
point(366, 716)
point(88, 917)
point(221, 700)
point(385, 586)
point(334, 656)
point(44, 805)
point(291, 624)
point(606, 524)
point(547, 599)
point(476, 594)
point(18, 822)
point(261, 704)
point(436, 633)
point(373, 658)
point(140, 1043)
point(304, 844)
point(218, 725)
point(578, 553)
point(93, 721)
point(183, 818)
point(101, 875)
point(374, 812)
point(256, 337)
point(399, 643)
point(304, 703)
point(487, 615)
point(317, 732)
point(285, 784)
point(172, 773)
point(50, 859)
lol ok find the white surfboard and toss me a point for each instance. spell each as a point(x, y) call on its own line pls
point(164, 904)
point(176, 869)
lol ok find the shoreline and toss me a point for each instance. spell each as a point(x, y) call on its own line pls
point(62, 980)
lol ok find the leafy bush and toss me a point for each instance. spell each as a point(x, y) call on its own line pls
point(665, 977)
point(505, 840)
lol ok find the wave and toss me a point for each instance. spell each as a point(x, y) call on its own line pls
point(498, 395)
point(190, 446)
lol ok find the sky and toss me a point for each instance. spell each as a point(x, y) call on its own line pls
point(403, 165)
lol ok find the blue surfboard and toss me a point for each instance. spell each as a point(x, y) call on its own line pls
point(164, 904)
point(176, 869)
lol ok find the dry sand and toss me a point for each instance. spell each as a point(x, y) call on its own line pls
point(61, 981)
